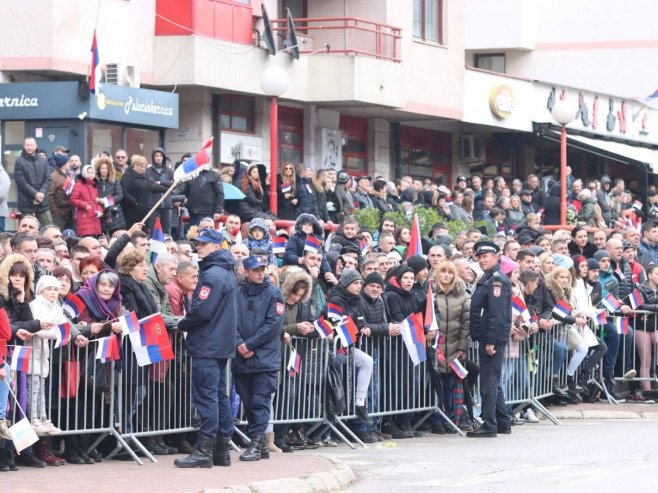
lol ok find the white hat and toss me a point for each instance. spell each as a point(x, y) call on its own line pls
point(47, 282)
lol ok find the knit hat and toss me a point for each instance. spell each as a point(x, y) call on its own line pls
point(417, 263)
point(373, 278)
point(348, 277)
point(537, 250)
point(403, 269)
point(507, 265)
point(47, 282)
point(593, 264)
point(562, 261)
point(61, 160)
point(601, 254)
point(626, 245)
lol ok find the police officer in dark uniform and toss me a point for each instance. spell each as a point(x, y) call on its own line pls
point(211, 324)
point(491, 320)
point(255, 368)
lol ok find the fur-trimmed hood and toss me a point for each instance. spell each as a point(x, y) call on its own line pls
point(317, 227)
point(5, 267)
point(293, 276)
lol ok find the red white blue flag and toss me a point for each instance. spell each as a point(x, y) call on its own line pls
point(635, 299)
point(363, 246)
point(312, 244)
point(347, 331)
point(415, 245)
point(324, 327)
point(108, 201)
point(562, 308)
point(108, 349)
point(430, 321)
point(278, 245)
point(63, 333)
point(610, 302)
point(157, 241)
point(294, 363)
point(191, 168)
point(458, 368)
point(129, 323)
point(95, 61)
point(286, 187)
point(520, 309)
point(20, 360)
point(73, 306)
point(621, 324)
point(334, 312)
point(413, 336)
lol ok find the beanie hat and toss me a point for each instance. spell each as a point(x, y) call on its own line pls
point(348, 277)
point(626, 245)
point(562, 261)
point(537, 250)
point(61, 160)
point(47, 282)
point(507, 265)
point(373, 278)
point(601, 254)
point(417, 263)
point(593, 264)
point(403, 269)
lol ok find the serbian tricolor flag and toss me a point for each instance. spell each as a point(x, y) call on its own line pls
point(430, 322)
point(95, 61)
point(562, 308)
point(413, 336)
point(601, 318)
point(20, 360)
point(347, 331)
point(312, 244)
point(108, 201)
point(73, 306)
point(69, 183)
point(157, 241)
point(278, 245)
point(191, 168)
point(294, 363)
point(286, 187)
point(458, 368)
point(635, 299)
point(108, 349)
point(324, 327)
point(415, 246)
point(334, 311)
point(363, 246)
point(637, 205)
point(22, 434)
point(63, 333)
point(520, 309)
point(621, 324)
point(153, 354)
point(610, 302)
point(151, 344)
point(129, 323)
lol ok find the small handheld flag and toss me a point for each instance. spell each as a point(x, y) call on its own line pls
point(562, 308)
point(294, 363)
point(363, 246)
point(430, 322)
point(637, 205)
point(108, 349)
point(312, 244)
point(601, 318)
point(323, 327)
point(334, 312)
point(20, 360)
point(22, 434)
point(286, 187)
point(63, 332)
point(458, 368)
point(415, 246)
point(73, 306)
point(108, 201)
point(151, 343)
point(413, 336)
point(68, 185)
point(520, 309)
point(635, 299)
point(129, 323)
point(278, 245)
point(347, 331)
point(610, 302)
point(621, 324)
point(157, 241)
point(191, 168)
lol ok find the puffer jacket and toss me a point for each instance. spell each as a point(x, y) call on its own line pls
point(265, 243)
point(58, 200)
point(374, 312)
point(400, 303)
point(454, 321)
point(351, 305)
point(205, 194)
point(624, 275)
point(42, 309)
point(113, 218)
point(295, 244)
point(87, 222)
point(135, 196)
point(650, 304)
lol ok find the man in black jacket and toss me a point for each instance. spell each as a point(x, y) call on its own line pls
point(204, 196)
point(32, 175)
point(211, 324)
point(160, 177)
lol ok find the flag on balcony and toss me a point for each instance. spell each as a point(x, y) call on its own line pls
point(95, 61)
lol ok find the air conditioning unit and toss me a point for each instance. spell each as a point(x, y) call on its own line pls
point(472, 148)
point(121, 75)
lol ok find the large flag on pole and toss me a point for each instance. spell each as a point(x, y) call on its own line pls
point(191, 168)
point(413, 336)
point(95, 61)
point(415, 245)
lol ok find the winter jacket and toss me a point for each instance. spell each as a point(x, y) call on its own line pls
point(587, 252)
point(32, 175)
point(491, 308)
point(587, 212)
point(400, 303)
point(58, 200)
point(320, 202)
point(113, 218)
point(647, 254)
point(43, 309)
point(211, 321)
point(295, 244)
point(650, 304)
point(285, 208)
point(205, 194)
point(265, 243)
point(565, 319)
point(255, 204)
point(160, 298)
point(260, 309)
point(538, 199)
point(453, 316)
point(552, 211)
point(363, 199)
point(298, 312)
point(351, 305)
point(135, 297)
point(136, 193)
point(87, 211)
point(459, 214)
point(622, 272)
point(374, 314)
point(159, 179)
point(609, 283)
point(603, 199)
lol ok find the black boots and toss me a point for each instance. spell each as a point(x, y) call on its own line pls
point(573, 386)
point(201, 456)
point(220, 455)
point(253, 452)
point(557, 390)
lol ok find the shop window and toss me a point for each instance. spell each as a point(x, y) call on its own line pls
point(141, 141)
point(426, 154)
point(494, 62)
point(102, 137)
point(237, 113)
point(428, 20)
point(354, 133)
point(291, 135)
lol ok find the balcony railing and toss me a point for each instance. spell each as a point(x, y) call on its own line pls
point(348, 35)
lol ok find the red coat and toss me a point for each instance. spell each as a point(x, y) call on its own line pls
point(87, 222)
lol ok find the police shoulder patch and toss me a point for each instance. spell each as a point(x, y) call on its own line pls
point(497, 288)
point(204, 292)
point(279, 308)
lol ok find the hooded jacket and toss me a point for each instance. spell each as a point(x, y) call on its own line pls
point(374, 312)
point(299, 312)
point(295, 244)
point(205, 194)
point(42, 309)
point(400, 303)
point(32, 175)
point(352, 305)
point(211, 322)
point(552, 211)
point(265, 243)
point(603, 199)
point(87, 221)
point(587, 211)
point(159, 179)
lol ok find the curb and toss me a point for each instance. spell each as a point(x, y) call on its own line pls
point(338, 477)
point(601, 414)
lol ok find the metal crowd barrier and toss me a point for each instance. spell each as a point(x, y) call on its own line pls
point(643, 354)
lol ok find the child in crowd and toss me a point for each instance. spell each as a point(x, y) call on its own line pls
point(259, 237)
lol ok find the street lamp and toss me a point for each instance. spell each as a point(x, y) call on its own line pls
point(274, 82)
point(564, 112)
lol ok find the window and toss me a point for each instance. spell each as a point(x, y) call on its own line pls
point(426, 154)
point(237, 113)
point(291, 135)
point(355, 144)
point(494, 62)
point(428, 20)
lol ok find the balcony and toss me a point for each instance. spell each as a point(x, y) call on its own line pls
point(347, 35)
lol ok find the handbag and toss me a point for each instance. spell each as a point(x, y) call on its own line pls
point(336, 401)
point(70, 380)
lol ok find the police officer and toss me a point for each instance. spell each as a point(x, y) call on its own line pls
point(211, 324)
point(260, 321)
point(491, 320)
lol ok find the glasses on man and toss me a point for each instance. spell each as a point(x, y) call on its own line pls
point(120, 157)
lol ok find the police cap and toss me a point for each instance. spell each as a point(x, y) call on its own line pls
point(209, 236)
point(486, 247)
point(255, 262)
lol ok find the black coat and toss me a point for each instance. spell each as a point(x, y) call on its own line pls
point(159, 180)
point(32, 175)
point(400, 303)
point(491, 308)
point(113, 217)
point(135, 297)
point(135, 196)
point(285, 208)
point(253, 205)
point(374, 312)
point(205, 194)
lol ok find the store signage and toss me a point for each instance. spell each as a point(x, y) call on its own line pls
point(501, 101)
point(137, 106)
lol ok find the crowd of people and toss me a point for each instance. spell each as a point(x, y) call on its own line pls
point(242, 288)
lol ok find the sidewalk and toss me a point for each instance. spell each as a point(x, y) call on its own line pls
point(299, 472)
point(606, 411)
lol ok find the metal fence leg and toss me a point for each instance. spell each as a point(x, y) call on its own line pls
point(122, 445)
point(350, 433)
point(339, 434)
point(542, 409)
point(142, 449)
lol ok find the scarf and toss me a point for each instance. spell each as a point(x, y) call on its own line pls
point(98, 308)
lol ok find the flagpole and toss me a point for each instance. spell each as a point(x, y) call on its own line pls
point(157, 204)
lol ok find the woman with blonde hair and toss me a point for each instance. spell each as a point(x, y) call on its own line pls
point(453, 315)
point(547, 264)
point(560, 287)
point(287, 192)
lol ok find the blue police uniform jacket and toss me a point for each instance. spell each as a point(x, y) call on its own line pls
point(260, 322)
point(491, 308)
point(211, 321)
